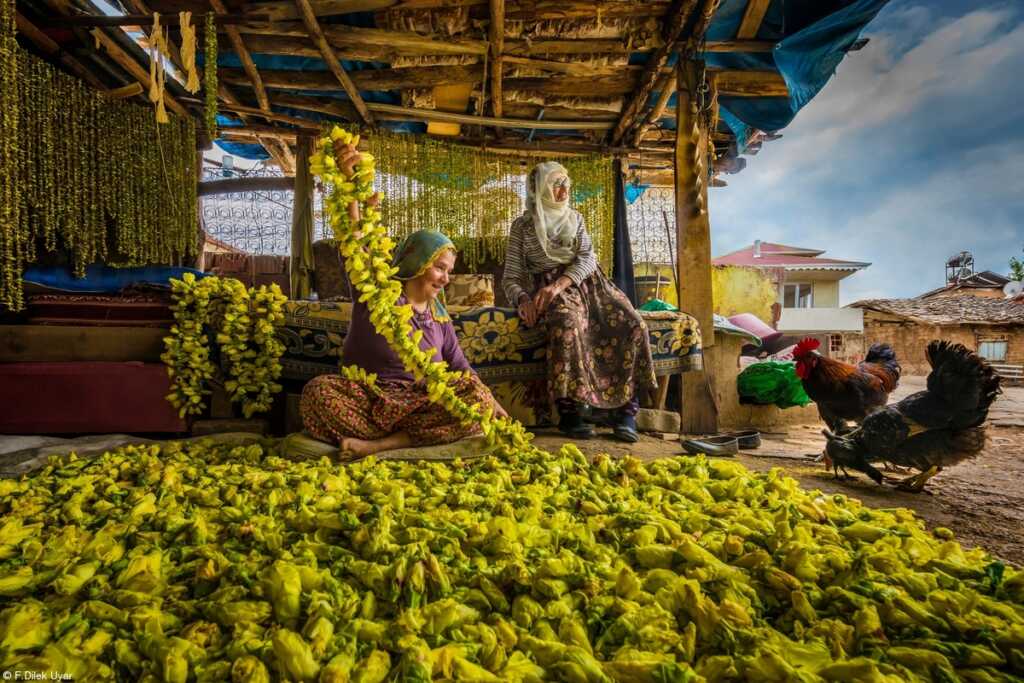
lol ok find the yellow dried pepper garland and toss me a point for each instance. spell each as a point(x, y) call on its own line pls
point(367, 251)
point(249, 347)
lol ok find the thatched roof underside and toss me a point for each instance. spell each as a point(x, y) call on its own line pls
point(555, 76)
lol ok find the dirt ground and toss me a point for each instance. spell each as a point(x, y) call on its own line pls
point(982, 500)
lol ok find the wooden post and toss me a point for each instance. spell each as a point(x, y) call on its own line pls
point(699, 412)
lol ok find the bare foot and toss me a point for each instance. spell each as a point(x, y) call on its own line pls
point(358, 448)
point(353, 448)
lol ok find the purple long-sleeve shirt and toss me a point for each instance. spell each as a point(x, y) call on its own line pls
point(370, 351)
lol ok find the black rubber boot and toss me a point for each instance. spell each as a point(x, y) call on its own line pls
point(572, 425)
point(625, 429)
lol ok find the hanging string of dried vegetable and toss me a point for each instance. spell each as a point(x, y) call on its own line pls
point(210, 76)
point(12, 236)
point(87, 175)
point(188, 51)
point(473, 195)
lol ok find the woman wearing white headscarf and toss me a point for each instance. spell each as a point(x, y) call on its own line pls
point(598, 352)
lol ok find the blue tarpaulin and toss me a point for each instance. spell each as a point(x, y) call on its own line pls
point(105, 279)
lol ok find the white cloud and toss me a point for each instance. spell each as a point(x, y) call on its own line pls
point(913, 152)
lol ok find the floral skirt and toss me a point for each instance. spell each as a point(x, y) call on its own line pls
point(334, 407)
point(598, 350)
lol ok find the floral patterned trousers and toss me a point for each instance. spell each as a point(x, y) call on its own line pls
point(598, 349)
point(334, 407)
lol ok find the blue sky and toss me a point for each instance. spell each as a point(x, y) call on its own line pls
point(913, 152)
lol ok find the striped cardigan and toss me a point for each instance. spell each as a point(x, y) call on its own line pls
point(525, 258)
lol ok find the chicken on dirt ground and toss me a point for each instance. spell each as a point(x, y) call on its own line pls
point(844, 391)
point(930, 429)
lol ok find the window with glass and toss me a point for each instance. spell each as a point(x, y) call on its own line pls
point(993, 350)
point(797, 295)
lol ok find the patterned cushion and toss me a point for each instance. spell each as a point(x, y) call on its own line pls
point(470, 290)
point(329, 272)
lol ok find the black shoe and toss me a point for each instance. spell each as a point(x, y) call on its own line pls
point(625, 429)
point(573, 426)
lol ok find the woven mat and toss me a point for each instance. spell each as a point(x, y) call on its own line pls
point(299, 446)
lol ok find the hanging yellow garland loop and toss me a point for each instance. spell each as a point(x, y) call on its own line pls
point(246, 322)
point(210, 76)
point(356, 222)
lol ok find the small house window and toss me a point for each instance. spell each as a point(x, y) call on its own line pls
point(835, 344)
point(992, 350)
point(797, 296)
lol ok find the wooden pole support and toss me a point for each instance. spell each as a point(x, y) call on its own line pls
point(699, 412)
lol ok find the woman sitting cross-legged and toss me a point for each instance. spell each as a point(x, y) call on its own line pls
point(396, 412)
point(598, 351)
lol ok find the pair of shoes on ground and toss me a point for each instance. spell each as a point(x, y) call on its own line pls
point(723, 444)
point(575, 426)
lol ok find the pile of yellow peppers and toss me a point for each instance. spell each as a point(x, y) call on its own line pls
point(198, 562)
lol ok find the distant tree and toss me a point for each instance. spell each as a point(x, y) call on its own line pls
point(1016, 269)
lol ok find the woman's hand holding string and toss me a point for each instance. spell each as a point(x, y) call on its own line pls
point(347, 157)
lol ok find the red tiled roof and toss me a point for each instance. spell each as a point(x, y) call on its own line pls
point(781, 256)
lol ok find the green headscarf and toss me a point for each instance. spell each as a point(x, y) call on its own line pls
point(415, 254)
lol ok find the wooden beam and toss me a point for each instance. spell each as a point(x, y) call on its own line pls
point(53, 50)
point(569, 148)
point(340, 109)
point(578, 69)
point(668, 88)
point(614, 85)
point(739, 46)
point(678, 17)
point(345, 37)
point(528, 48)
point(699, 412)
point(317, 35)
point(128, 63)
point(516, 110)
point(562, 10)
point(752, 18)
point(259, 129)
point(280, 151)
point(496, 31)
point(139, 20)
point(243, 55)
point(229, 185)
point(384, 111)
point(738, 83)
point(368, 79)
point(305, 124)
point(125, 91)
point(287, 11)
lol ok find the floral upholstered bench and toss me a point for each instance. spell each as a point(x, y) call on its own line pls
point(507, 356)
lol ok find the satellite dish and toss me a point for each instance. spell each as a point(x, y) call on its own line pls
point(1013, 289)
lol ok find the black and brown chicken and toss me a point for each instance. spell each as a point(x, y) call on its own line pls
point(928, 430)
point(844, 391)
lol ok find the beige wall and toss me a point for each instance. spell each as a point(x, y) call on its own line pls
point(722, 359)
point(910, 339)
point(826, 294)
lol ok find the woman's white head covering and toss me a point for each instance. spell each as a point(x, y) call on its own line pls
point(555, 222)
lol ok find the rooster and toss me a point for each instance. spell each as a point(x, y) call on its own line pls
point(843, 391)
point(928, 430)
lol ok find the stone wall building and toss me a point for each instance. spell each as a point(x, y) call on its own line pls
point(992, 327)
